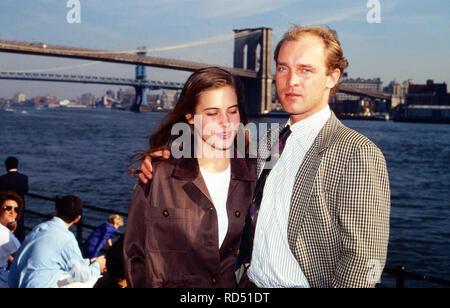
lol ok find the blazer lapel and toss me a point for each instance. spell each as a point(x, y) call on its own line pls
point(304, 180)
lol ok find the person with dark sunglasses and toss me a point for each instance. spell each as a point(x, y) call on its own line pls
point(11, 205)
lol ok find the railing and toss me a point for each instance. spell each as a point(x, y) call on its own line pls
point(400, 273)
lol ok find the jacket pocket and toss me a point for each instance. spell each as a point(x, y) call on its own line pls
point(167, 229)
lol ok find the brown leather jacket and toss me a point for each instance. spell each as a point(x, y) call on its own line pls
point(171, 238)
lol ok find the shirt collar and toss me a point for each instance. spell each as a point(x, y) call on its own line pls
point(58, 221)
point(306, 130)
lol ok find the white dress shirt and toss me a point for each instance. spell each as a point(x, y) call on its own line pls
point(273, 264)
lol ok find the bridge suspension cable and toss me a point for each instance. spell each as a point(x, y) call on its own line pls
point(211, 40)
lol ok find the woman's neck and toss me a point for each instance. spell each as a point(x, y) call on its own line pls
point(213, 160)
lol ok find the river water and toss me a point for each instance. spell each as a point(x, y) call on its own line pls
point(86, 153)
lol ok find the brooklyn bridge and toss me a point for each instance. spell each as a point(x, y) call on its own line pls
point(252, 63)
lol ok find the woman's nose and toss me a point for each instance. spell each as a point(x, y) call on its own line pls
point(225, 120)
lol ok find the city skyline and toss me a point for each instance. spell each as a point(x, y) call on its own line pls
point(410, 40)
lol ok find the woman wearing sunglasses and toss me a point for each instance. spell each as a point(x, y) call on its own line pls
point(10, 211)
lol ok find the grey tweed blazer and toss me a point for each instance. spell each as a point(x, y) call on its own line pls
point(338, 228)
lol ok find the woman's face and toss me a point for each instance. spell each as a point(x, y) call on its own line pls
point(217, 115)
point(9, 214)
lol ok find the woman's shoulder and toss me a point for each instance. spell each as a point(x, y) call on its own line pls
point(163, 167)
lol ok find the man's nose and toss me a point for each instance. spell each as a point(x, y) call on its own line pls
point(293, 79)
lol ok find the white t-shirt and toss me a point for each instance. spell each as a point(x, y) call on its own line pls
point(8, 245)
point(217, 184)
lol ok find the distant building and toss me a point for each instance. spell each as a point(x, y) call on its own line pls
point(425, 103)
point(44, 101)
point(427, 94)
point(399, 91)
point(19, 98)
point(87, 99)
point(374, 84)
point(169, 99)
point(4, 103)
point(347, 104)
point(126, 97)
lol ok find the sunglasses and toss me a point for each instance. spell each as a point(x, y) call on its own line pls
point(10, 208)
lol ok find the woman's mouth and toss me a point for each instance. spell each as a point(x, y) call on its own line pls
point(225, 135)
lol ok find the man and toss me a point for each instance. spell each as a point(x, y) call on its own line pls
point(17, 182)
point(50, 252)
point(327, 225)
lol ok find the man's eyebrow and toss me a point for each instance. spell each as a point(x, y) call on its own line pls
point(308, 66)
point(298, 65)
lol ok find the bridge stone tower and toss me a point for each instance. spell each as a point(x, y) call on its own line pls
point(140, 91)
point(252, 51)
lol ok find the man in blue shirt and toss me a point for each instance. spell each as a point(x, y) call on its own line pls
point(51, 251)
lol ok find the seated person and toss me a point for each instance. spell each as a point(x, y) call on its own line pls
point(11, 206)
point(101, 235)
point(51, 251)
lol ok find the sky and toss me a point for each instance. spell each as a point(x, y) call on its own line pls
point(409, 41)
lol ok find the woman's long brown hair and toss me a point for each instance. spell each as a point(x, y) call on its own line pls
point(201, 80)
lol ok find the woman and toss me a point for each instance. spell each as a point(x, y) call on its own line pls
point(184, 226)
point(10, 211)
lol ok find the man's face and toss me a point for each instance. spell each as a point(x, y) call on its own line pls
point(303, 85)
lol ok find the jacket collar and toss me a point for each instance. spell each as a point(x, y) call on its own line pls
point(188, 168)
point(327, 133)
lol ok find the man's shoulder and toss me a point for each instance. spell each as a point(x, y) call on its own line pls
point(13, 175)
point(348, 138)
point(346, 143)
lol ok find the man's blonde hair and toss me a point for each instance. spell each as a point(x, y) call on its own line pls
point(334, 56)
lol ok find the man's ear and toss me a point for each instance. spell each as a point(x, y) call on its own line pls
point(190, 118)
point(77, 219)
point(333, 78)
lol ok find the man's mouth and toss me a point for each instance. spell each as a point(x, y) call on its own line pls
point(292, 95)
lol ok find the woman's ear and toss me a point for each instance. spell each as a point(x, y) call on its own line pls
point(190, 118)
